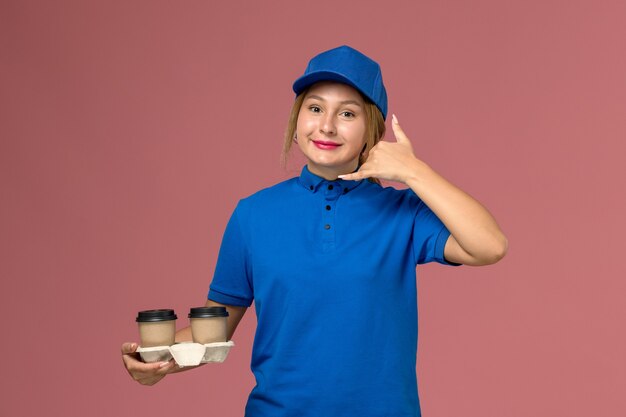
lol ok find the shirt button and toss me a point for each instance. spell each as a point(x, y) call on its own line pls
point(330, 187)
point(327, 226)
point(327, 207)
point(345, 190)
point(311, 187)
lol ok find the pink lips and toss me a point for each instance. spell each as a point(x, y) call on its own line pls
point(322, 144)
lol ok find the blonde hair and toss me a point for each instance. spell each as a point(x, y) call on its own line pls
point(374, 129)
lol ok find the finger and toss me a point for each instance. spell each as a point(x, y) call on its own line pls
point(136, 366)
point(399, 134)
point(148, 378)
point(157, 366)
point(128, 348)
point(168, 364)
point(355, 176)
point(165, 367)
point(361, 174)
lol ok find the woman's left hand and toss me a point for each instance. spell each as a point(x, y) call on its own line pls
point(391, 161)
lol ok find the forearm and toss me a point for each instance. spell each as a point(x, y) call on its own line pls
point(472, 226)
point(184, 335)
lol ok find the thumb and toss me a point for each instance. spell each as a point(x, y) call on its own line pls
point(401, 137)
point(355, 176)
point(128, 348)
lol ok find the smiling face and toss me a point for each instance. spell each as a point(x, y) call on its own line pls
point(331, 129)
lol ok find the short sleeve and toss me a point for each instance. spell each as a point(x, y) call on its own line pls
point(232, 281)
point(429, 236)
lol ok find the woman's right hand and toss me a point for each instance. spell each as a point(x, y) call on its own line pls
point(144, 373)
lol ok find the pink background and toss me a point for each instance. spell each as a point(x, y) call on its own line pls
point(130, 129)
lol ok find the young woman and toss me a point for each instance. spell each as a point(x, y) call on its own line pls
point(329, 257)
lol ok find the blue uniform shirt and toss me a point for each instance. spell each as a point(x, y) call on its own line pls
point(330, 266)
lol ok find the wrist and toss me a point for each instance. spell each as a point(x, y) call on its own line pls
point(417, 173)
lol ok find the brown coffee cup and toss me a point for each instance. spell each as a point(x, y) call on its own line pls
point(208, 324)
point(157, 327)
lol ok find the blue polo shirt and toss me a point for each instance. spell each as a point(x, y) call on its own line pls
point(330, 266)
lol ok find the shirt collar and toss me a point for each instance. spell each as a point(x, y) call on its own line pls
point(312, 182)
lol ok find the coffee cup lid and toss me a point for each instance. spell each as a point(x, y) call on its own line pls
point(156, 315)
point(206, 312)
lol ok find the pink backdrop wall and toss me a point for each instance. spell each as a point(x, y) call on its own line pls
point(130, 129)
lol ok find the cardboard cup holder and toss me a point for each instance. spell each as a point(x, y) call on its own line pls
point(187, 353)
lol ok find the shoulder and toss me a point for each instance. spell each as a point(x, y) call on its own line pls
point(268, 197)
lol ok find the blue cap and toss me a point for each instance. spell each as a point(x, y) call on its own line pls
point(349, 66)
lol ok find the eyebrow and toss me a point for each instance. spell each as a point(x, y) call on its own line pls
point(342, 102)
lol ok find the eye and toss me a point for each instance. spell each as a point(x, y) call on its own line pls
point(348, 114)
point(315, 109)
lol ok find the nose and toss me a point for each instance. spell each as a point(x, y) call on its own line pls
point(327, 124)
